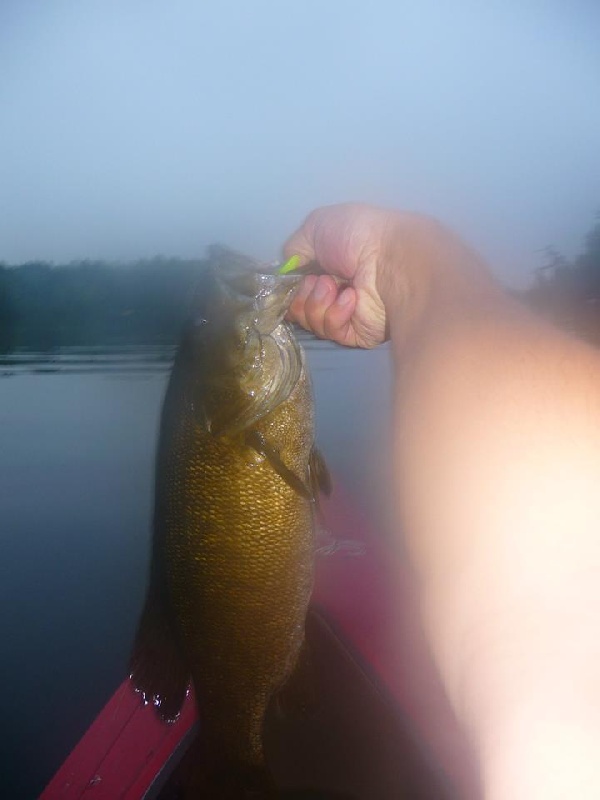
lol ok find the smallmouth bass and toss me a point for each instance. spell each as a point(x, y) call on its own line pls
point(237, 476)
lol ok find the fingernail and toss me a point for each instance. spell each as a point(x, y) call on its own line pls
point(345, 297)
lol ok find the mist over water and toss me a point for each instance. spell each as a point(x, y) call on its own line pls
point(133, 128)
point(79, 432)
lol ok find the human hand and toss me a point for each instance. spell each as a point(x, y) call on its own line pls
point(381, 269)
point(351, 242)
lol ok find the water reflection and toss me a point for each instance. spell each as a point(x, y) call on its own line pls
point(78, 432)
point(151, 358)
point(82, 360)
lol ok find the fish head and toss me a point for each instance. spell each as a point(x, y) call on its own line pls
point(237, 301)
point(248, 360)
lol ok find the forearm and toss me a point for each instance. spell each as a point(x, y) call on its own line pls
point(498, 464)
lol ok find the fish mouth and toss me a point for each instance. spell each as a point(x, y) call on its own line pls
point(254, 291)
point(267, 296)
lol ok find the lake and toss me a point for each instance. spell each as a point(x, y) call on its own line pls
point(78, 432)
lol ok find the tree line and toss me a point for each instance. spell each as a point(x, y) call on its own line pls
point(44, 306)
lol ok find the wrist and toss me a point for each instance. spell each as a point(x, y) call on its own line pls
point(426, 271)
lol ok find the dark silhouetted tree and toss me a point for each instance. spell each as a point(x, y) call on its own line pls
point(8, 314)
point(91, 303)
point(569, 292)
point(588, 263)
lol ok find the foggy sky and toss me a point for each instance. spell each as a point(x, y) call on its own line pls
point(135, 127)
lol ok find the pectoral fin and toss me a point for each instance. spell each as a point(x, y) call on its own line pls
point(318, 474)
point(259, 443)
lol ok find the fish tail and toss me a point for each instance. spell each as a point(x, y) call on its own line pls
point(157, 667)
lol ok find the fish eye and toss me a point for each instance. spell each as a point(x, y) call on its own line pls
point(198, 321)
